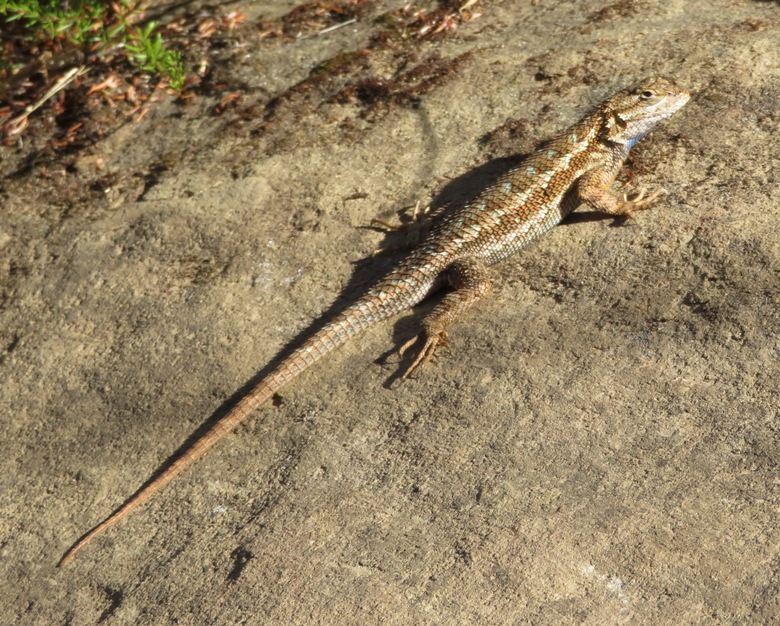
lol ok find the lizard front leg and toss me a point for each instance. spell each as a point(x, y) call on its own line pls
point(593, 190)
point(470, 280)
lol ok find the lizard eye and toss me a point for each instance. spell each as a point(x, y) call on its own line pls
point(647, 94)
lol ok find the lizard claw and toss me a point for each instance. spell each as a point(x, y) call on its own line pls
point(418, 214)
point(639, 202)
point(412, 229)
point(376, 222)
point(432, 342)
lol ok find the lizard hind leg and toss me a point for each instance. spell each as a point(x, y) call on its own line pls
point(471, 283)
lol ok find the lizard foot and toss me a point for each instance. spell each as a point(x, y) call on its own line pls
point(412, 229)
point(638, 203)
point(431, 343)
point(418, 215)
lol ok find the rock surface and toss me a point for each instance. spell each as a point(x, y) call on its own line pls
point(601, 445)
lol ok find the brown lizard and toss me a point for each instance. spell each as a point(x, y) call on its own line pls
point(576, 166)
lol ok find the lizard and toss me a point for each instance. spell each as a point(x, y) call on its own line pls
point(577, 166)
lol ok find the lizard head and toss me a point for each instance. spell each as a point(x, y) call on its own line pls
point(630, 114)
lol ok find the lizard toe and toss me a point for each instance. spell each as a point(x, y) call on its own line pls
point(426, 353)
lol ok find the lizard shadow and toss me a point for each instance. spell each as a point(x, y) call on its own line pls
point(454, 194)
point(366, 272)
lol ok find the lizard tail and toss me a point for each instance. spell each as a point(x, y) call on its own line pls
point(380, 303)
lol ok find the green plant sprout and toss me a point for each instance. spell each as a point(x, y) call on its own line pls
point(98, 26)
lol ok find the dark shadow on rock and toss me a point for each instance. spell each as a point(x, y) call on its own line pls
point(367, 272)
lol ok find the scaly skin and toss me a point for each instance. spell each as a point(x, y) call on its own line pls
point(577, 166)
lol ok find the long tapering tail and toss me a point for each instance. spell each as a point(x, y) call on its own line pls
point(380, 303)
point(232, 419)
